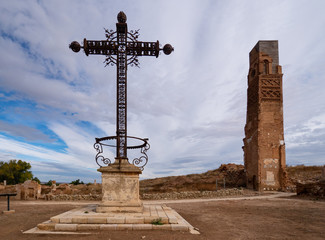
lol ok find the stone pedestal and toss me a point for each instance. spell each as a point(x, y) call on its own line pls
point(8, 212)
point(120, 187)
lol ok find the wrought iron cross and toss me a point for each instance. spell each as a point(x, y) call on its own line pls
point(121, 48)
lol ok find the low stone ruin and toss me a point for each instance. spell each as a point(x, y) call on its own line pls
point(25, 191)
point(67, 192)
point(28, 190)
point(314, 189)
point(31, 190)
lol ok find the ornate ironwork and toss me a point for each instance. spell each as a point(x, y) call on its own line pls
point(121, 48)
point(143, 160)
point(100, 158)
point(139, 162)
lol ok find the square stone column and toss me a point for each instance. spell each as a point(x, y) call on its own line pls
point(120, 187)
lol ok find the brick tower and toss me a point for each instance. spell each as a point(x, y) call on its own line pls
point(264, 150)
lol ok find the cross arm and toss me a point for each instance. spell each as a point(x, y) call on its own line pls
point(143, 48)
point(104, 47)
point(101, 47)
point(110, 48)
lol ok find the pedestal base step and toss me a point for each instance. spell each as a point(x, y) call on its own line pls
point(129, 208)
point(153, 217)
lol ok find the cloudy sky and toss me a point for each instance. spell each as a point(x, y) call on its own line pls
point(190, 104)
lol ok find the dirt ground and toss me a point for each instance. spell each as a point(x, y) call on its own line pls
point(277, 218)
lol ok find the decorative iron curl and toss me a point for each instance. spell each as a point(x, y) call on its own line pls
point(110, 61)
point(111, 39)
point(139, 162)
point(133, 61)
point(143, 160)
point(99, 157)
point(110, 35)
point(133, 35)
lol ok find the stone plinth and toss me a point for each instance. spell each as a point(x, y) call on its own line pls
point(120, 187)
point(8, 212)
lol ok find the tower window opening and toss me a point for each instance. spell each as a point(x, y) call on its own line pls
point(266, 67)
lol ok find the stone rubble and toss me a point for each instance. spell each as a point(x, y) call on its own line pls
point(315, 189)
point(151, 196)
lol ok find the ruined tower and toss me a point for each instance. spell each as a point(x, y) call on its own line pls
point(264, 149)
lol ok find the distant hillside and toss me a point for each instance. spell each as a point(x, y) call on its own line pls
point(301, 173)
point(233, 174)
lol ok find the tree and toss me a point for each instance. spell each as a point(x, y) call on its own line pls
point(15, 172)
point(49, 183)
point(77, 182)
point(36, 180)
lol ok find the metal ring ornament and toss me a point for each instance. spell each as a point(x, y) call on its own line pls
point(139, 162)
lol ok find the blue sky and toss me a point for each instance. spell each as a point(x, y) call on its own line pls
point(190, 104)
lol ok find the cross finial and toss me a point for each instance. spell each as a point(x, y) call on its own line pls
point(121, 17)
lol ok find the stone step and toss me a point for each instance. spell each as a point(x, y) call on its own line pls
point(87, 219)
point(115, 220)
point(109, 227)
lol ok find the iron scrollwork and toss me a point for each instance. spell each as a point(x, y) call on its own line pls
point(132, 48)
point(143, 160)
point(100, 158)
point(139, 162)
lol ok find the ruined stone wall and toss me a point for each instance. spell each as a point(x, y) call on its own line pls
point(193, 194)
point(28, 190)
point(153, 196)
point(264, 151)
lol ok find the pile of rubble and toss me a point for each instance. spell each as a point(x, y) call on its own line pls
point(227, 175)
point(306, 180)
point(315, 189)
